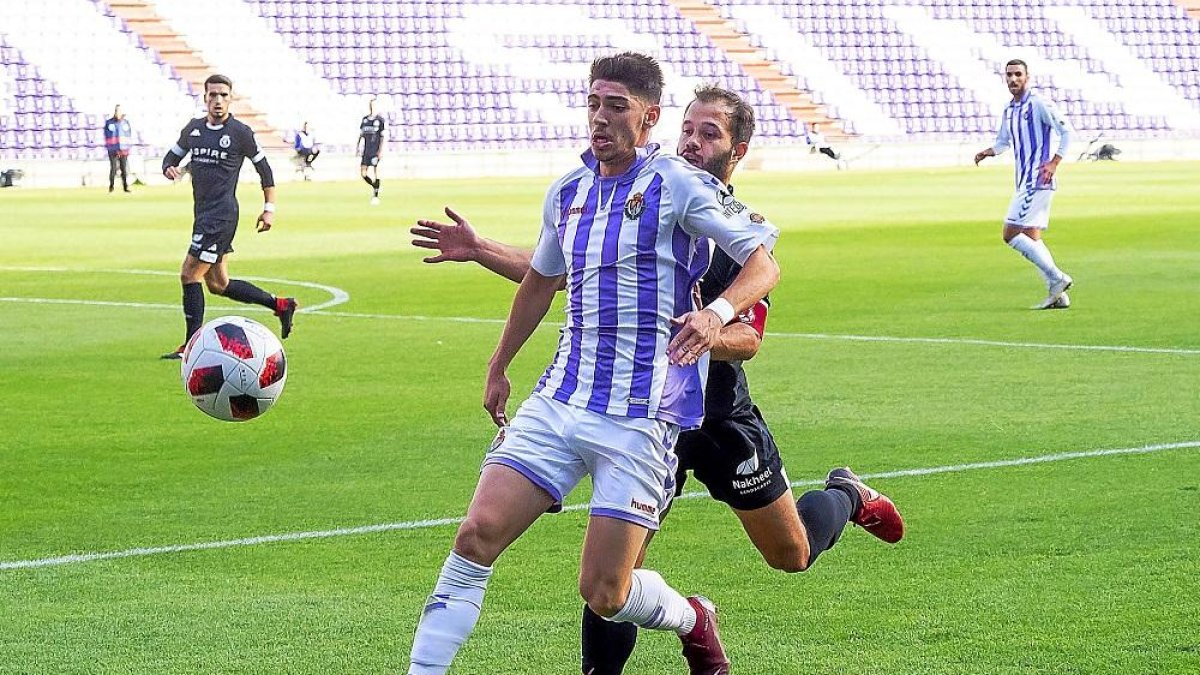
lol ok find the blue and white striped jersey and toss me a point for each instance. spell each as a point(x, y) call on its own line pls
point(632, 248)
point(1027, 127)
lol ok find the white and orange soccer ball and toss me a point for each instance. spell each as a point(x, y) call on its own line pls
point(234, 369)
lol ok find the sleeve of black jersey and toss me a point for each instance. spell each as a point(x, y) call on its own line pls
point(259, 158)
point(176, 154)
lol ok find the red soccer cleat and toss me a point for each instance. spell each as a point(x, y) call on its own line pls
point(702, 646)
point(285, 309)
point(878, 514)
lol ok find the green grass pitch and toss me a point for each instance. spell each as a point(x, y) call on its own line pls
point(1084, 565)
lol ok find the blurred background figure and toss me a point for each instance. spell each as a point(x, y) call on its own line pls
point(305, 144)
point(118, 137)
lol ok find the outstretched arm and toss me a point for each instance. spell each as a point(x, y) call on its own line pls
point(460, 243)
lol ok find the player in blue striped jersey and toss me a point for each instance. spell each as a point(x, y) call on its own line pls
point(621, 232)
point(1031, 126)
point(733, 453)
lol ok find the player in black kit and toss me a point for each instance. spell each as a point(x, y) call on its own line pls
point(370, 139)
point(219, 144)
point(733, 453)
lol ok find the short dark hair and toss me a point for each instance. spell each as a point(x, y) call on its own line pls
point(218, 79)
point(1017, 62)
point(640, 73)
point(741, 115)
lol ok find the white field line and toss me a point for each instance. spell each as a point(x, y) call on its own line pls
point(317, 310)
point(337, 295)
point(438, 522)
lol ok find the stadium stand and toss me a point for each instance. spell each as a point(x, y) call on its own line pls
point(486, 75)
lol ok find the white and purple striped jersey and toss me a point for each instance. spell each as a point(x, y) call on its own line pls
point(1027, 126)
point(632, 248)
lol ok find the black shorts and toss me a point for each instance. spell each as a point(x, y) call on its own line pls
point(369, 159)
point(737, 460)
point(212, 240)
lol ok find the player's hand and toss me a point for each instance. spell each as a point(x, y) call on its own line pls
point(495, 396)
point(173, 173)
point(1046, 172)
point(265, 220)
point(455, 243)
point(697, 334)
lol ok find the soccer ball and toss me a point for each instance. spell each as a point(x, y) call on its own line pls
point(234, 369)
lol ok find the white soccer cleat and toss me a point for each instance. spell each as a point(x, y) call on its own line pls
point(1061, 302)
point(374, 201)
point(1057, 288)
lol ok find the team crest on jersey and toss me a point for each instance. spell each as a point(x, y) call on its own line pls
point(757, 218)
point(194, 134)
point(634, 206)
point(224, 142)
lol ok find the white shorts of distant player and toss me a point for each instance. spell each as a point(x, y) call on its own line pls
point(1030, 208)
point(632, 460)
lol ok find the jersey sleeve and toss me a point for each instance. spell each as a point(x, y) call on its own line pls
point(1049, 115)
point(182, 146)
point(1003, 137)
point(548, 259)
point(708, 209)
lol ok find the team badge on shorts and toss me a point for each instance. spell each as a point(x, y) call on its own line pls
point(634, 206)
point(224, 142)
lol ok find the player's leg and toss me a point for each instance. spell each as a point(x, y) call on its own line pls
point(1028, 215)
point(633, 481)
point(191, 274)
point(375, 185)
point(112, 171)
point(124, 166)
point(218, 282)
point(363, 167)
point(607, 645)
point(526, 473)
point(505, 504)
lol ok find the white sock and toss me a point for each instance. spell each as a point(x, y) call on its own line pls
point(449, 616)
point(654, 605)
point(1057, 273)
point(1037, 253)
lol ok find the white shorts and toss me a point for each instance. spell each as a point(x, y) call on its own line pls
point(631, 460)
point(1030, 208)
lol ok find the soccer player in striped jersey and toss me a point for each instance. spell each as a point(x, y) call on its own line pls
point(733, 453)
point(219, 144)
point(621, 231)
point(1032, 126)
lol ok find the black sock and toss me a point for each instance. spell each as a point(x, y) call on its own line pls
point(244, 291)
point(368, 181)
point(376, 185)
point(606, 645)
point(193, 308)
point(825, 514)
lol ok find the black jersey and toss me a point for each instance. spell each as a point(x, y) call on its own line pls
point(217, 155)
point(727, 393)
point(371, 129)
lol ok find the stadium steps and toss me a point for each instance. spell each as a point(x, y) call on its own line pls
point(173, 49)
point(754, 61)
point(1192, 7)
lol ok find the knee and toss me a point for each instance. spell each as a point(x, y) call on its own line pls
point(216, 286)
point(604, 596)
point(790, 558)
point(476, 541)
